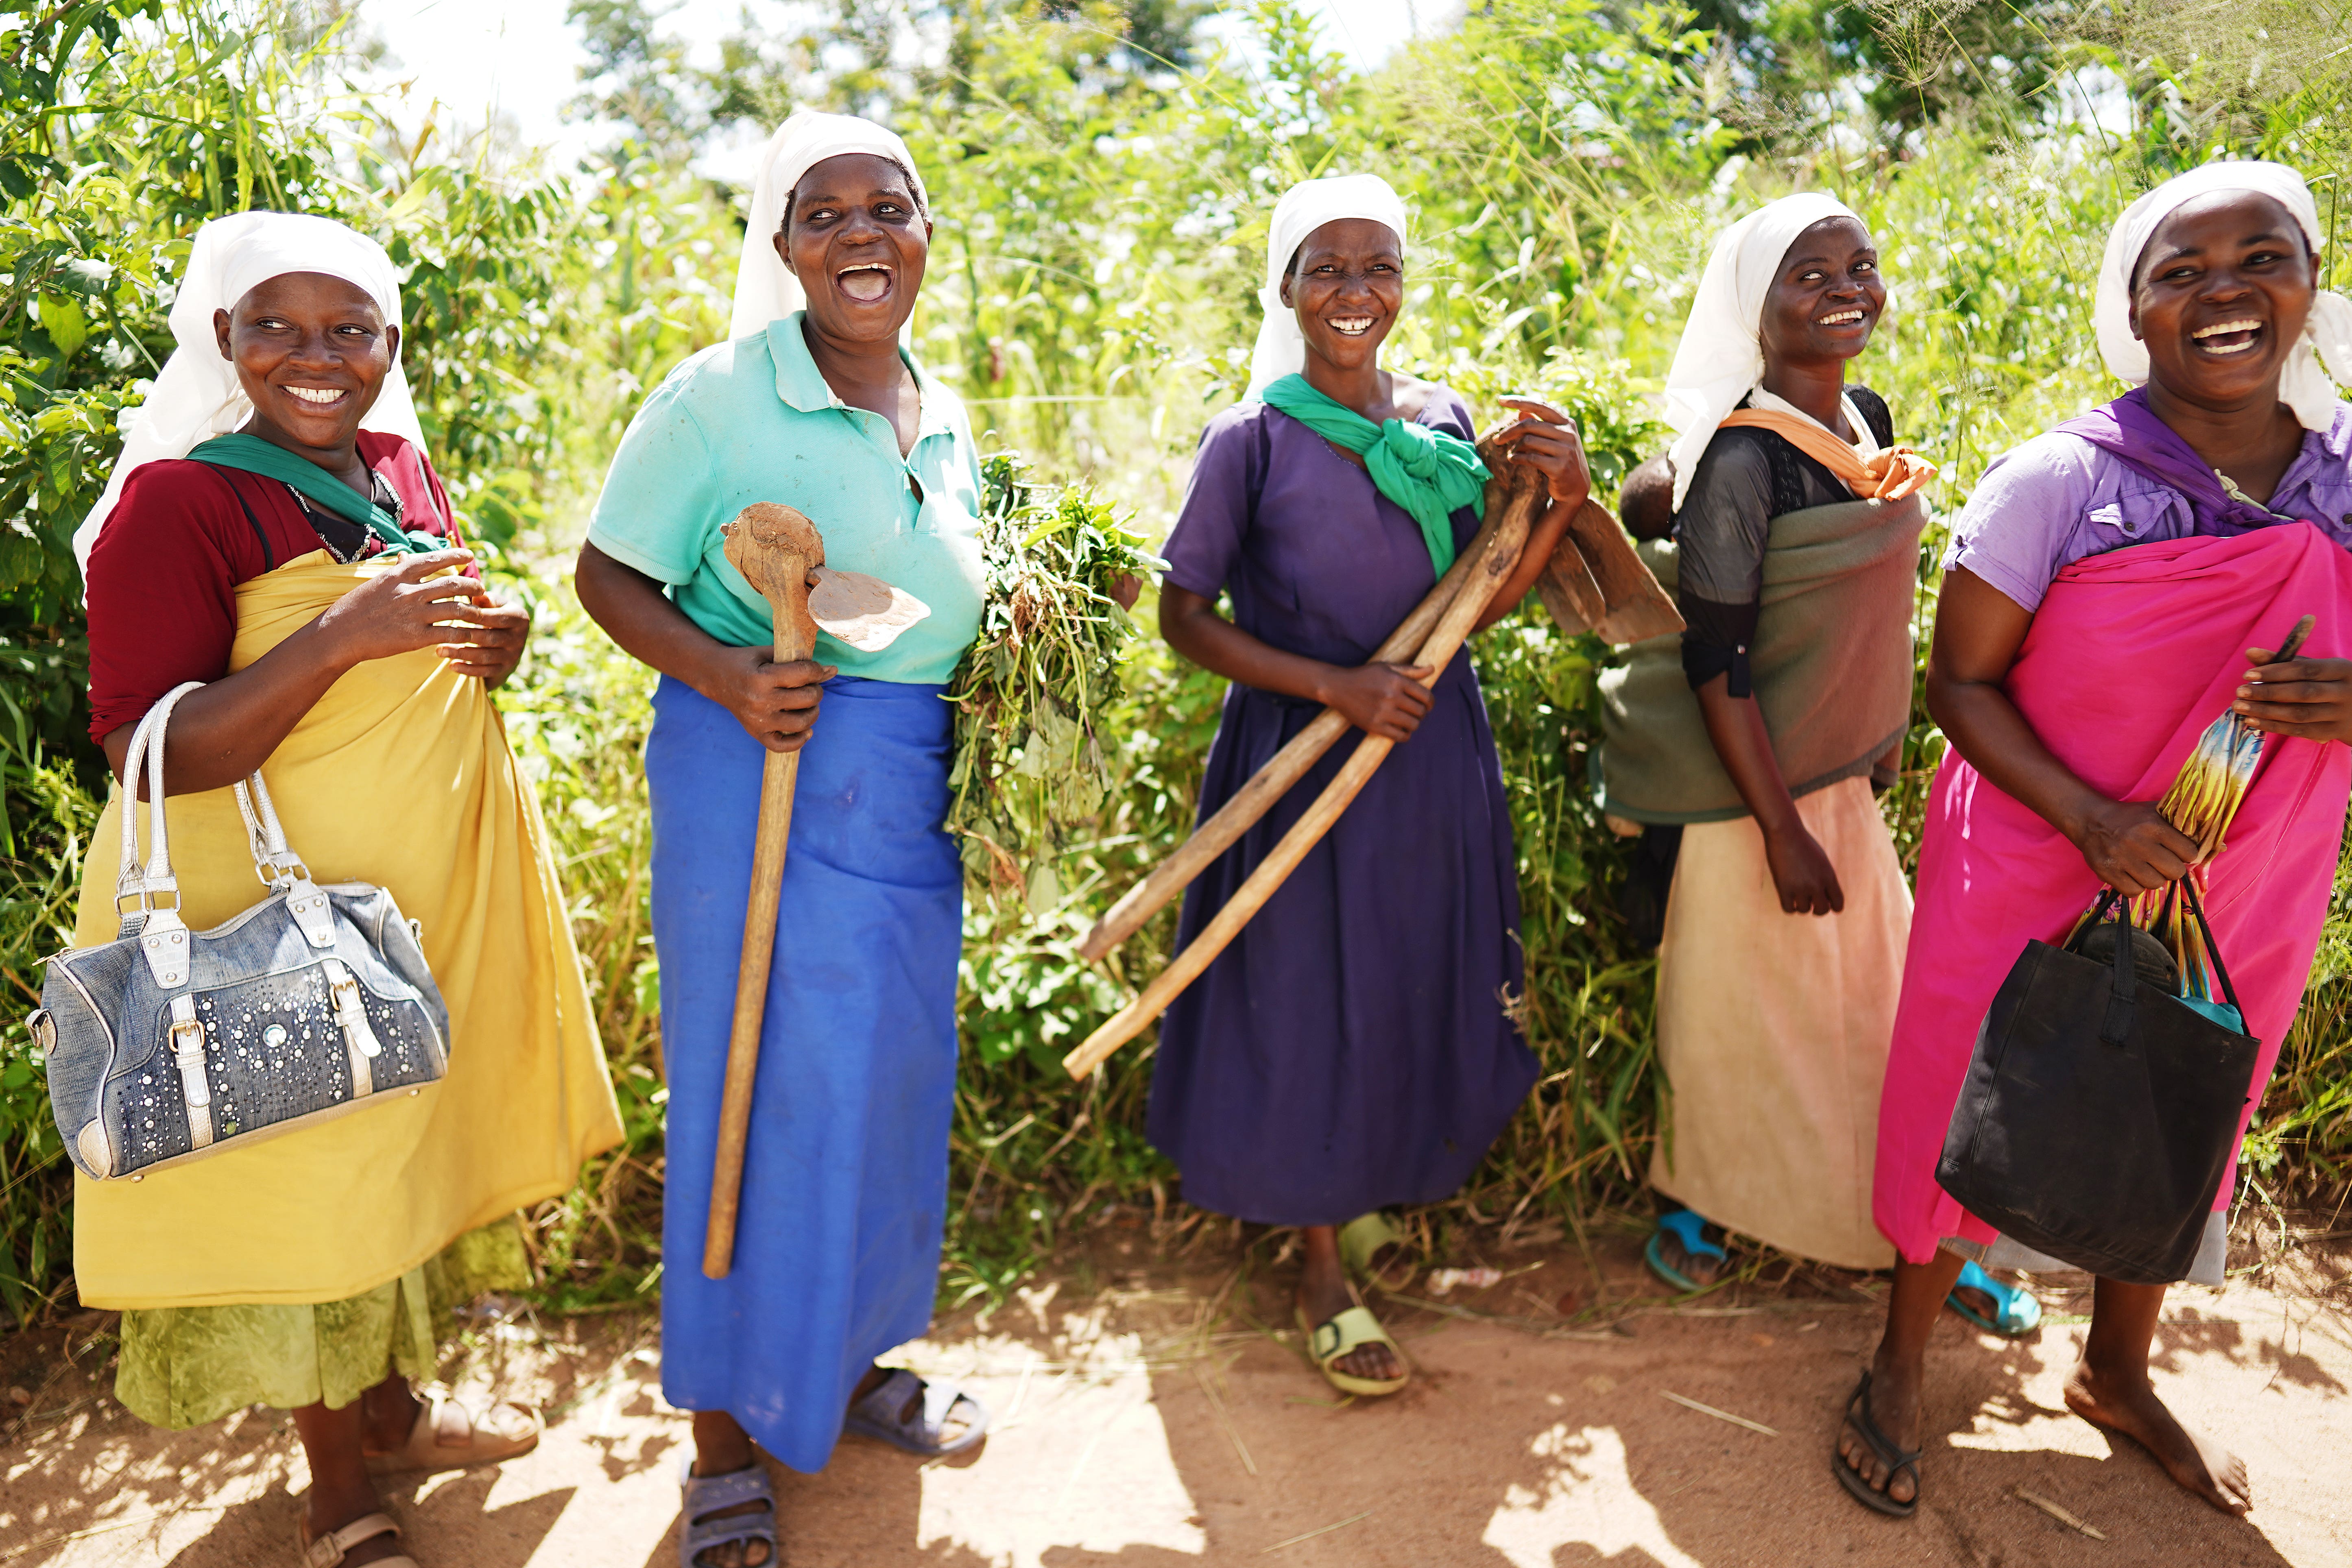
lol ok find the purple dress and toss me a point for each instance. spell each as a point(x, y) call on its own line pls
point(1350, 1050)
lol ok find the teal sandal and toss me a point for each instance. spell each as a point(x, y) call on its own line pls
point(1688, 1227)
point(2016, 1310)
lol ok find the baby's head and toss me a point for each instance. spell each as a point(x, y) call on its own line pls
point(1646, 505)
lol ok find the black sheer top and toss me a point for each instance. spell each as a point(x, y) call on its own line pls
point(1747, 477)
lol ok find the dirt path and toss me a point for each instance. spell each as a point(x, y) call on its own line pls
point(1162, 1422)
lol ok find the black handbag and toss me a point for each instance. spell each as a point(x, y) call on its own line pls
point(2099, 1115)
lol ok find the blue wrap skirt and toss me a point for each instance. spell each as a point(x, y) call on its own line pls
point(844, 1181)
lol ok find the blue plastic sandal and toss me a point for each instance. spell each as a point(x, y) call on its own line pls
point(878, 1415)
point(706, 1495)
point(2016, 1310)
point(1688, 1227)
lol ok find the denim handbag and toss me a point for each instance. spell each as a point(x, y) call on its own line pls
point(2098, 1114)
point(167, 1045)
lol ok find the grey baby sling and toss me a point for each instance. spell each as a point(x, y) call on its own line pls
point(168, 1045)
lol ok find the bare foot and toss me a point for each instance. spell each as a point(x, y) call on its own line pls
point(1894, 1404)
point(2129, 1407)
point(1323, 1294)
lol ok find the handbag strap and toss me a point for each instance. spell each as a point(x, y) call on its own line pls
point(2212, 948)
point(133, 880)
point(2123, 994)
point(273, 861)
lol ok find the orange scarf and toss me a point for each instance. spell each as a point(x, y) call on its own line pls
point(1887, 475)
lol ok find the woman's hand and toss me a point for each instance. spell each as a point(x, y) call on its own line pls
point(495, 645)
point(231, 727)
point(1546, 439)
point(1383, 700)
point(398, 611)
point(775, 703)
point(1801, 872)
point(1979, 630)
point(1127, 590)
point(2130, 847)
point(2307, 697)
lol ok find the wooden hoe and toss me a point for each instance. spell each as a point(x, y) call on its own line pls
point(780, 554)
point(1593, 582)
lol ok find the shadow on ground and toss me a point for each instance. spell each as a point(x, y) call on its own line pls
point(1172, 1420)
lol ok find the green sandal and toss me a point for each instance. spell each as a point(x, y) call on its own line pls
point(1360, 1240)
point(1343, 1335)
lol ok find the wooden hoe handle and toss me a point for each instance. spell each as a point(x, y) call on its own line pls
point(775, 548)
point(1272, 781)
point(1514, 496)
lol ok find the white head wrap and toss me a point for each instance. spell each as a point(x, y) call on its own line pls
point(765, 289)
point(1721, 356)
point(1304, 207)
point(197, 396)
point(2308, 384)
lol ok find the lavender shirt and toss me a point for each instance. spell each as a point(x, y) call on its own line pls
point(2054, 499)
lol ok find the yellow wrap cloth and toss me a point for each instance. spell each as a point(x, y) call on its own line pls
point(402, 776)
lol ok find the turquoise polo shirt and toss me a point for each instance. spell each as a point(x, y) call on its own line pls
point(752, 420)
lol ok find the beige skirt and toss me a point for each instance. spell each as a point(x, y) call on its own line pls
point(1773, 1031)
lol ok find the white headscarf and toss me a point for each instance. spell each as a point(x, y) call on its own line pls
point(1304, 207)
point(1721, 356)
point(765, 289)
point(2309, 383)
point(197, 396)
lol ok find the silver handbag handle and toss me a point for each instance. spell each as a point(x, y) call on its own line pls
point(276, 864)
point(132, 880)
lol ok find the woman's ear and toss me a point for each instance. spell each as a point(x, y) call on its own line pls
point(2131, 315)
point(392, 342)
point(784, 253)
point(1288, 303)
point(220, 333)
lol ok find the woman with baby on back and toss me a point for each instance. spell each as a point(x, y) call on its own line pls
point(1747, 749)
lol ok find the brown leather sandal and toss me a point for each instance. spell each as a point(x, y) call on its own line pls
point(445, 1438)
point(335, 1545)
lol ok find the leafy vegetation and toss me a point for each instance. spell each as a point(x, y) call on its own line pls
point(1031, 770)
point(1102, 173)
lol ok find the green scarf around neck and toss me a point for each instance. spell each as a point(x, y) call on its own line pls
point(255, 456)
point(1430, 474)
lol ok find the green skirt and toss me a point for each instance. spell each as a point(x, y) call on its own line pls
point(185, 1366)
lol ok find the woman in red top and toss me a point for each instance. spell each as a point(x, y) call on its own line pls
point(274, 531)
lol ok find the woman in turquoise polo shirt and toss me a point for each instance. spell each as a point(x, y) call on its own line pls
point(811, 402)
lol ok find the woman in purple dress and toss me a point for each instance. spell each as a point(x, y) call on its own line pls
point(1353, 1048)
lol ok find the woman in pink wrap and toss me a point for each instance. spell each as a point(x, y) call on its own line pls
point(2114, 587)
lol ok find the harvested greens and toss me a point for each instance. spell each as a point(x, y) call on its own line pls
point(1031, 695)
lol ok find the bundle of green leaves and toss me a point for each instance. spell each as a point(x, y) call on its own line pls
point(1031, 773)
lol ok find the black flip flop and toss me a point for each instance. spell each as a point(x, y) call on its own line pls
point(1896, 1460)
